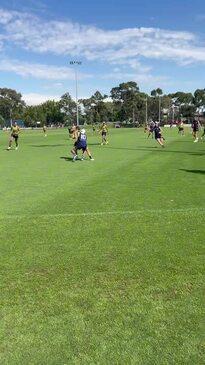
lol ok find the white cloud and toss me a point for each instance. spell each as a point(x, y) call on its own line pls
point(145, 78)
point(53, 85)
point(6, 16)
point(39, 71)
point(35, 98)
point(124, 49)
point(58, 37)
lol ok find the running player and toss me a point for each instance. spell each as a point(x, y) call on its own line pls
point(158, 134)
point(45, 130)
point(181, 128)
point(81, 144)
point(104, 132)
point(15, 130)
point(195, 130)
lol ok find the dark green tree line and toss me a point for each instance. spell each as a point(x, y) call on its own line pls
point(125, 104)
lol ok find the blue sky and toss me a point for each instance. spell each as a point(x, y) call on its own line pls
point(155, 43)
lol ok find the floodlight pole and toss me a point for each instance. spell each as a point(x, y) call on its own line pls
point(10, 112)
point(76, 63)
point(146, 111)
point(159, 109)
point(173, 114)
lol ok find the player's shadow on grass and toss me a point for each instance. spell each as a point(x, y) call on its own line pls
point(94, 144)
point(48, 145)
point(202, 172)
point(191, 153)
point(157, 149)
point(183, 141)
point(66, 158)
point(126, 148)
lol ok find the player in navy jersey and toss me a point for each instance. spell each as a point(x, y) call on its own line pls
point(195, 130)
point(81, 144)
point(158, 134)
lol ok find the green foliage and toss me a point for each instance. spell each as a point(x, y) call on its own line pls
point(156, 92)
point(129, 102)
point(11, 104)
point(127, 105)
point(199, 98)
point(2, 121)
point(96, 109)
point(34, 114)
point(67, 108)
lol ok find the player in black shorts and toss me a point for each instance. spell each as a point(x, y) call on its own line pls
point(181, 128)
point(81, 144)
point(104, 132)
point(195, 130)
point(15, 130)
point(158, 134)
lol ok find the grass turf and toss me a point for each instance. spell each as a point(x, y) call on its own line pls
point(102, 262)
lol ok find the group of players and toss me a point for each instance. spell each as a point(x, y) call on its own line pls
point(153, 129)
point(75, 132)
point(80, 138)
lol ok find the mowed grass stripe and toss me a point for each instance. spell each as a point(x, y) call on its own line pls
point(129, 212)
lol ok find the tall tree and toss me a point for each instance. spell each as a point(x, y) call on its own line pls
point(185, 104)
point(125, 100)
point(68, 108)
point(199, 98)
point(33, 114)
point(96, 109)
point(53, 112)
point(11, 104)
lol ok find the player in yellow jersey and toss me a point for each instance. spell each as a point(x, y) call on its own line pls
point(73, 131)
point(104, 132)
point(45, 130)
point(15, 130)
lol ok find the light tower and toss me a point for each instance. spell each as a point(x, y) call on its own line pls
point(76, 63)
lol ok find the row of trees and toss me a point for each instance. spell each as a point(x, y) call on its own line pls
point(125, 104)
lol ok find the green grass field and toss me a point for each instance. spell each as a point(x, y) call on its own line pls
point(102, 262)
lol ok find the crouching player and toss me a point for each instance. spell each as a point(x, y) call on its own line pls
point(81, 144)
point(158, 134)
